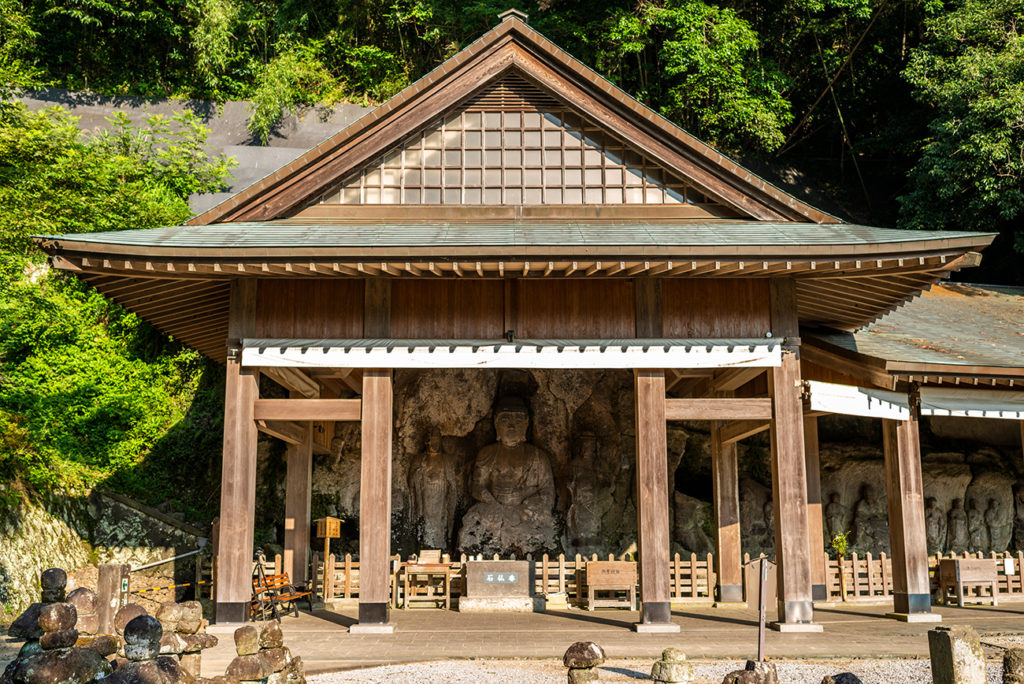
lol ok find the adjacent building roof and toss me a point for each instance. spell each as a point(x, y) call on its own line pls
point(954, 333)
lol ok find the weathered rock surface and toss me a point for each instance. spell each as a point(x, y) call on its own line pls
point(57, 617)
point(142, 638)
point(26, 625)
point(53, 582)
point(67, 666)
point(64, 638)
point(1013, 666)
point(841, 678)
point(126, 615)
point(956, 655)
point(191, 619)
point(271, 635)
point(673, 667)
point(583, 654)
point(249, 667)
point(104, 644)
point(755, 672)
point(85, 602)
point(247, 640)
point(163, 670)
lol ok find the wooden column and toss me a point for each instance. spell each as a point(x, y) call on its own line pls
point(815, 522)
point(652, 501)
point(789, 475)
point(238, 469)
point(911, 590)
point(728, 556)
point(297, 501)
point(375, 499)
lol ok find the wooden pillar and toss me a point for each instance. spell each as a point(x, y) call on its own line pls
point(375, 500)
point(238, 469)
point(297, 501)
point(728, 556)
point(652, 502)
point(911, 590)
point(789, 475)
point(815, 522)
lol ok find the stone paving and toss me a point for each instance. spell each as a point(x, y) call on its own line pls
point(321, 637)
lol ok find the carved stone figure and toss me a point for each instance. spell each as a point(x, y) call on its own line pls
point(513, 488)
point(976, 527)
point(835, 516)
point(432, 493)
point(870, 522)
point(999, 526)
point(769, 523)
point(957, 536)
point(1018, 517)
point(934, 526)
point(690, 518)
point(583, 518)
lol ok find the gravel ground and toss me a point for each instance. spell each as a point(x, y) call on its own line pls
point(706, 671)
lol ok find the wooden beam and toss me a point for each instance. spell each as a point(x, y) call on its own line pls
point(726, 504)
point(287, 431)
point(815, 522)
point(911, 590)
point(652, 497)
point(298, 495)
point(734, 378)
point(758, 408)
point(307, 409)
point(238, 469)
point(375, 499)
point(789, 473)
point(294, 380)
point(736, 430)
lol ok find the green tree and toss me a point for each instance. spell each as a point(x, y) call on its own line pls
point(969, 72)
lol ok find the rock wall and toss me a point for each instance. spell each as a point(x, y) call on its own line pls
point(74, 530)
point(584, 421)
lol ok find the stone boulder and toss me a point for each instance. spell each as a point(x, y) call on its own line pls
point(54, 582)
point(65, 665)
point(1013, 666)
point(142, 638)
point(583, 654)
point(247, 640)
point(841, 678)
point(126, 614)
point(26, 625)
point(86, 604)
point(755, 672)
point(956, 655)
point(673, 667)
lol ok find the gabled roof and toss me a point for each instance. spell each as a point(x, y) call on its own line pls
point(511, 46)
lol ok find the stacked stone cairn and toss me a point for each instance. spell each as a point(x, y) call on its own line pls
point(49, 653)
point(673, 667)
point(184, 634)
point(1013, 666)
point(582, 659)
point(262, 657)
point(86, 603)
point(755, 672)
point(143, 663)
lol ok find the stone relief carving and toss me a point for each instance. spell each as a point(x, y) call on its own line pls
point(934, 526)
point(976, 527)
point(1000, 526)
point(587, 492)
point(957, 534)
point(835, 516)
point(513, 488)
point(870, 522)
point(432, 493)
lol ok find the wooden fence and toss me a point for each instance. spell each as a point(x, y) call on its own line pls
point(691, 579)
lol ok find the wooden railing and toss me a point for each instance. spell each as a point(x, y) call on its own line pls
point(691, 579)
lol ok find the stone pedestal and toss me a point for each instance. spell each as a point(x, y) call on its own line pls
point(500, 587)
point(956, 656)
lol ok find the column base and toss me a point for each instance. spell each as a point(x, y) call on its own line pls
point(730, 593)
point(655, 612)
point(735, 605)
point(911, 603)
point(796, 612)
point(373, 613)
point(372, 628)
point(819, 592)
point(656, 628)
point(232, 612)
point(915, 617)
point(795, 627)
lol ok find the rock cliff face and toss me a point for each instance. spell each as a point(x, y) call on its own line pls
point(584, 422)
point(73, 530)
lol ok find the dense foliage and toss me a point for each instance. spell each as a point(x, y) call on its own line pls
point(88, 391)
point(905, 112)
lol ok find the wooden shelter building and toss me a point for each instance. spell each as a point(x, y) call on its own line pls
point(513, 209)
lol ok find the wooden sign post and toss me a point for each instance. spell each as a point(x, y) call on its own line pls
point(327, 529)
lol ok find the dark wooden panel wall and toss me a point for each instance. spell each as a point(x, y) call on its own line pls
point(448, 309)
point(534, 308)
point(310, 308)
point(730, 307)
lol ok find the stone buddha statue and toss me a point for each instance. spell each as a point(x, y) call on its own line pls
point(513, 490)
point(432, 493)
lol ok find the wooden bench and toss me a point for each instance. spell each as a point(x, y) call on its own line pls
point(613, 577)
point(273, 591)
point(957, 574)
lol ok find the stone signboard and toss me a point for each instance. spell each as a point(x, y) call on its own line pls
point(498, 586)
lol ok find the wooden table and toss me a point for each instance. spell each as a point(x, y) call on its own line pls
point(960, 573)
point(426, 582)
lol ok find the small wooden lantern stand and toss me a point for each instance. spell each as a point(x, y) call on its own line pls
point(327, 529)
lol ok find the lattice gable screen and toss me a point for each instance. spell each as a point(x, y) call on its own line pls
point(512, 144)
